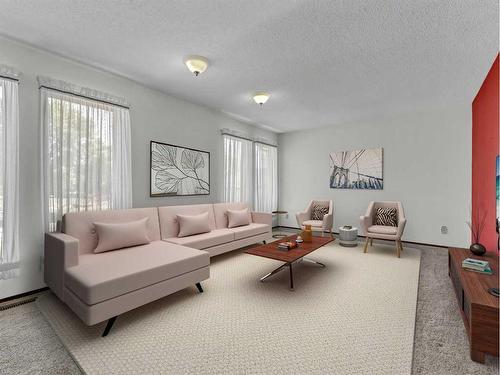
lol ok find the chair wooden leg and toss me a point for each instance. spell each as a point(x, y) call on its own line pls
point(401, 245)
point(366, 244)
point(371, 241)
point(398, 249)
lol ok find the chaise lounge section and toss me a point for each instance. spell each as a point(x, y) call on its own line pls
point(101, 286)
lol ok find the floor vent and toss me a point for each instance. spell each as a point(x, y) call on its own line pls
point(17, 303)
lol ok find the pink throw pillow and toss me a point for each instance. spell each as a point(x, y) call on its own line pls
point(193, 224)
point(238, 218)
point(113, 236)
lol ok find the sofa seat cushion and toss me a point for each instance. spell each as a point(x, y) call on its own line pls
point(313, 223)
point(204, 240)
point(250, 230)
point(382, 229)
point(99, 277)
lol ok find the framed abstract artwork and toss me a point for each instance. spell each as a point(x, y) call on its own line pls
point(178, 171)
point(357, 169)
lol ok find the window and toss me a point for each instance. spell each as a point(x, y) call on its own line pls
point(266, 177)
point(237, 169)
point(9, 180)
point(86, 155)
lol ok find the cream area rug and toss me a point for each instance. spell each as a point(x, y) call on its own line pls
point(356, 316)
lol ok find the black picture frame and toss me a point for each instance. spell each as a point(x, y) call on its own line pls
point(172, 176)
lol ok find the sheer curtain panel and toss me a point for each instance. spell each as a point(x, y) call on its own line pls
point(9, 178)
point(266, 177)
point(86, 155)
point(237, 169)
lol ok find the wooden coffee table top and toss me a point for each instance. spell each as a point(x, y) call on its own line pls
point(271, 250)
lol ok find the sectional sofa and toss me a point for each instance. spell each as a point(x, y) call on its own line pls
point(99, 286)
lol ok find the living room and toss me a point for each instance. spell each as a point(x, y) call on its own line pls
point(249, 187)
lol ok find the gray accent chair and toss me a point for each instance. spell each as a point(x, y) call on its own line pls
point(383, 232)
point(305, 218)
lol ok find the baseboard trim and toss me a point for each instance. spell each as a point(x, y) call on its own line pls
point(22, 295)
point(408, 242)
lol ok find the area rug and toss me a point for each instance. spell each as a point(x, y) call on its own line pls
point(356, 316)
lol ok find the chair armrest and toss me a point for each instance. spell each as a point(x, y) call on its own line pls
point(262, 218)
point(301, 217)
point(60, 252)
point(328, 222)
point(401, 228)
point(366, 222)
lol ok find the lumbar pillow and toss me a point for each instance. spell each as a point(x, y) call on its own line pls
point(387, 217)
point(113, 236)
point(319, 210)
point(237, 218)
point(193, 224)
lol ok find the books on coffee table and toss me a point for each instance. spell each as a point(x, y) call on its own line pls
point(285, 246)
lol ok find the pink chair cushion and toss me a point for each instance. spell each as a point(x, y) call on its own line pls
point(113, 236)
point(237, 218)
point(220, 212)
point(193, 224)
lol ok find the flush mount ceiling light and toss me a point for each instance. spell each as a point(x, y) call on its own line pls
point(261, 97)
point(196, 64)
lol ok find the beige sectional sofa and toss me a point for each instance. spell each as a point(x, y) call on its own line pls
point(101, 286)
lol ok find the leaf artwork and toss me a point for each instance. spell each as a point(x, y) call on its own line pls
point(178, 171)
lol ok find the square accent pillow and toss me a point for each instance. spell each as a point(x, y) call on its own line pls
point(113, 236)
point(319, 210)
point(237, 218)
point(387, 217)
point(193, 224)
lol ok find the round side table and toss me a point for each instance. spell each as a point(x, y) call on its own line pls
point(348, 236)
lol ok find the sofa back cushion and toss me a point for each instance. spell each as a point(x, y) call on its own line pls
point(114, 236)
point(193, 224)
point(169, 224)
point(220, 211)
point(81, 224)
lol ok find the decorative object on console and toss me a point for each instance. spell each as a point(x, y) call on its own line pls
point(306, 234)
point(476, 227)
point(357, 169)
point(178, 171)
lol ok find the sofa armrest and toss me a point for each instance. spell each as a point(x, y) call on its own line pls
point(401, 228)
point(327, 222)
point(262, 218)
point(60, 252)
point(301, 217)
point(366, 222)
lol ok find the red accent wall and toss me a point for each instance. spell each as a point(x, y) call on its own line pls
point(485, 148)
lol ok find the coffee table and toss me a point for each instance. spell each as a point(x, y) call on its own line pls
point(290, 257)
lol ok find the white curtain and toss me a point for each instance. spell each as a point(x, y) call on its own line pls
point(9, 179)
point(266, 177)
point(237, 170)
point(86, 155)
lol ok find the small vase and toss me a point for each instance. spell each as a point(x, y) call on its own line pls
point(307, 234)
point(477, 249)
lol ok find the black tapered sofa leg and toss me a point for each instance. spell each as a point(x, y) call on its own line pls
point(108, 326)
point(200, 289)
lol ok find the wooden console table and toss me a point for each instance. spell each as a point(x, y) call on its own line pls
point(478, 308)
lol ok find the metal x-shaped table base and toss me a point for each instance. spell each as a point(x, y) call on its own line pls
point(289, 265)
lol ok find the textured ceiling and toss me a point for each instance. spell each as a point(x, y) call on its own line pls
point(324, 62)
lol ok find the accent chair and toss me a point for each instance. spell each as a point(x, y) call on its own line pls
point(383, 232)
point(307, 217)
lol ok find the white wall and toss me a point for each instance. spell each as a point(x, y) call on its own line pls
point(154, 116)
point(427, 166)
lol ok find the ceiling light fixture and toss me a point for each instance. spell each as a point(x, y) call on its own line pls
point(196, 64)
point(261, 98)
